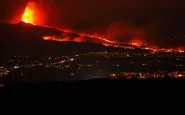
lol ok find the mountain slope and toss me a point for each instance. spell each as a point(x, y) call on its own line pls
point(26, 39)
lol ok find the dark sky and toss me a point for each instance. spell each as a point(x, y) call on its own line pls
point(153, 20)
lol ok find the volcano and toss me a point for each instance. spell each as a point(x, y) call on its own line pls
point(30, 37)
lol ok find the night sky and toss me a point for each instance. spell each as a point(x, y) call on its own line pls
point(156, 21)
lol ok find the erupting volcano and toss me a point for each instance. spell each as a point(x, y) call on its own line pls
point(29, 16)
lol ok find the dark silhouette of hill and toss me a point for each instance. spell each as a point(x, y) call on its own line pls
point(23, 30)
point(26, 40)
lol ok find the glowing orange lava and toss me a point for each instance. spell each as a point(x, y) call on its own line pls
point(29, 13)
point(106, 42)
point(137, 42)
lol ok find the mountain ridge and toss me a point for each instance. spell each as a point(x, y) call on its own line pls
point(26, 39)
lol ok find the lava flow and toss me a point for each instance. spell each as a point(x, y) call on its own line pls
point(133, 44)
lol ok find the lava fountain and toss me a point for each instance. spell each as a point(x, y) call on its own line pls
point(29, 15)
